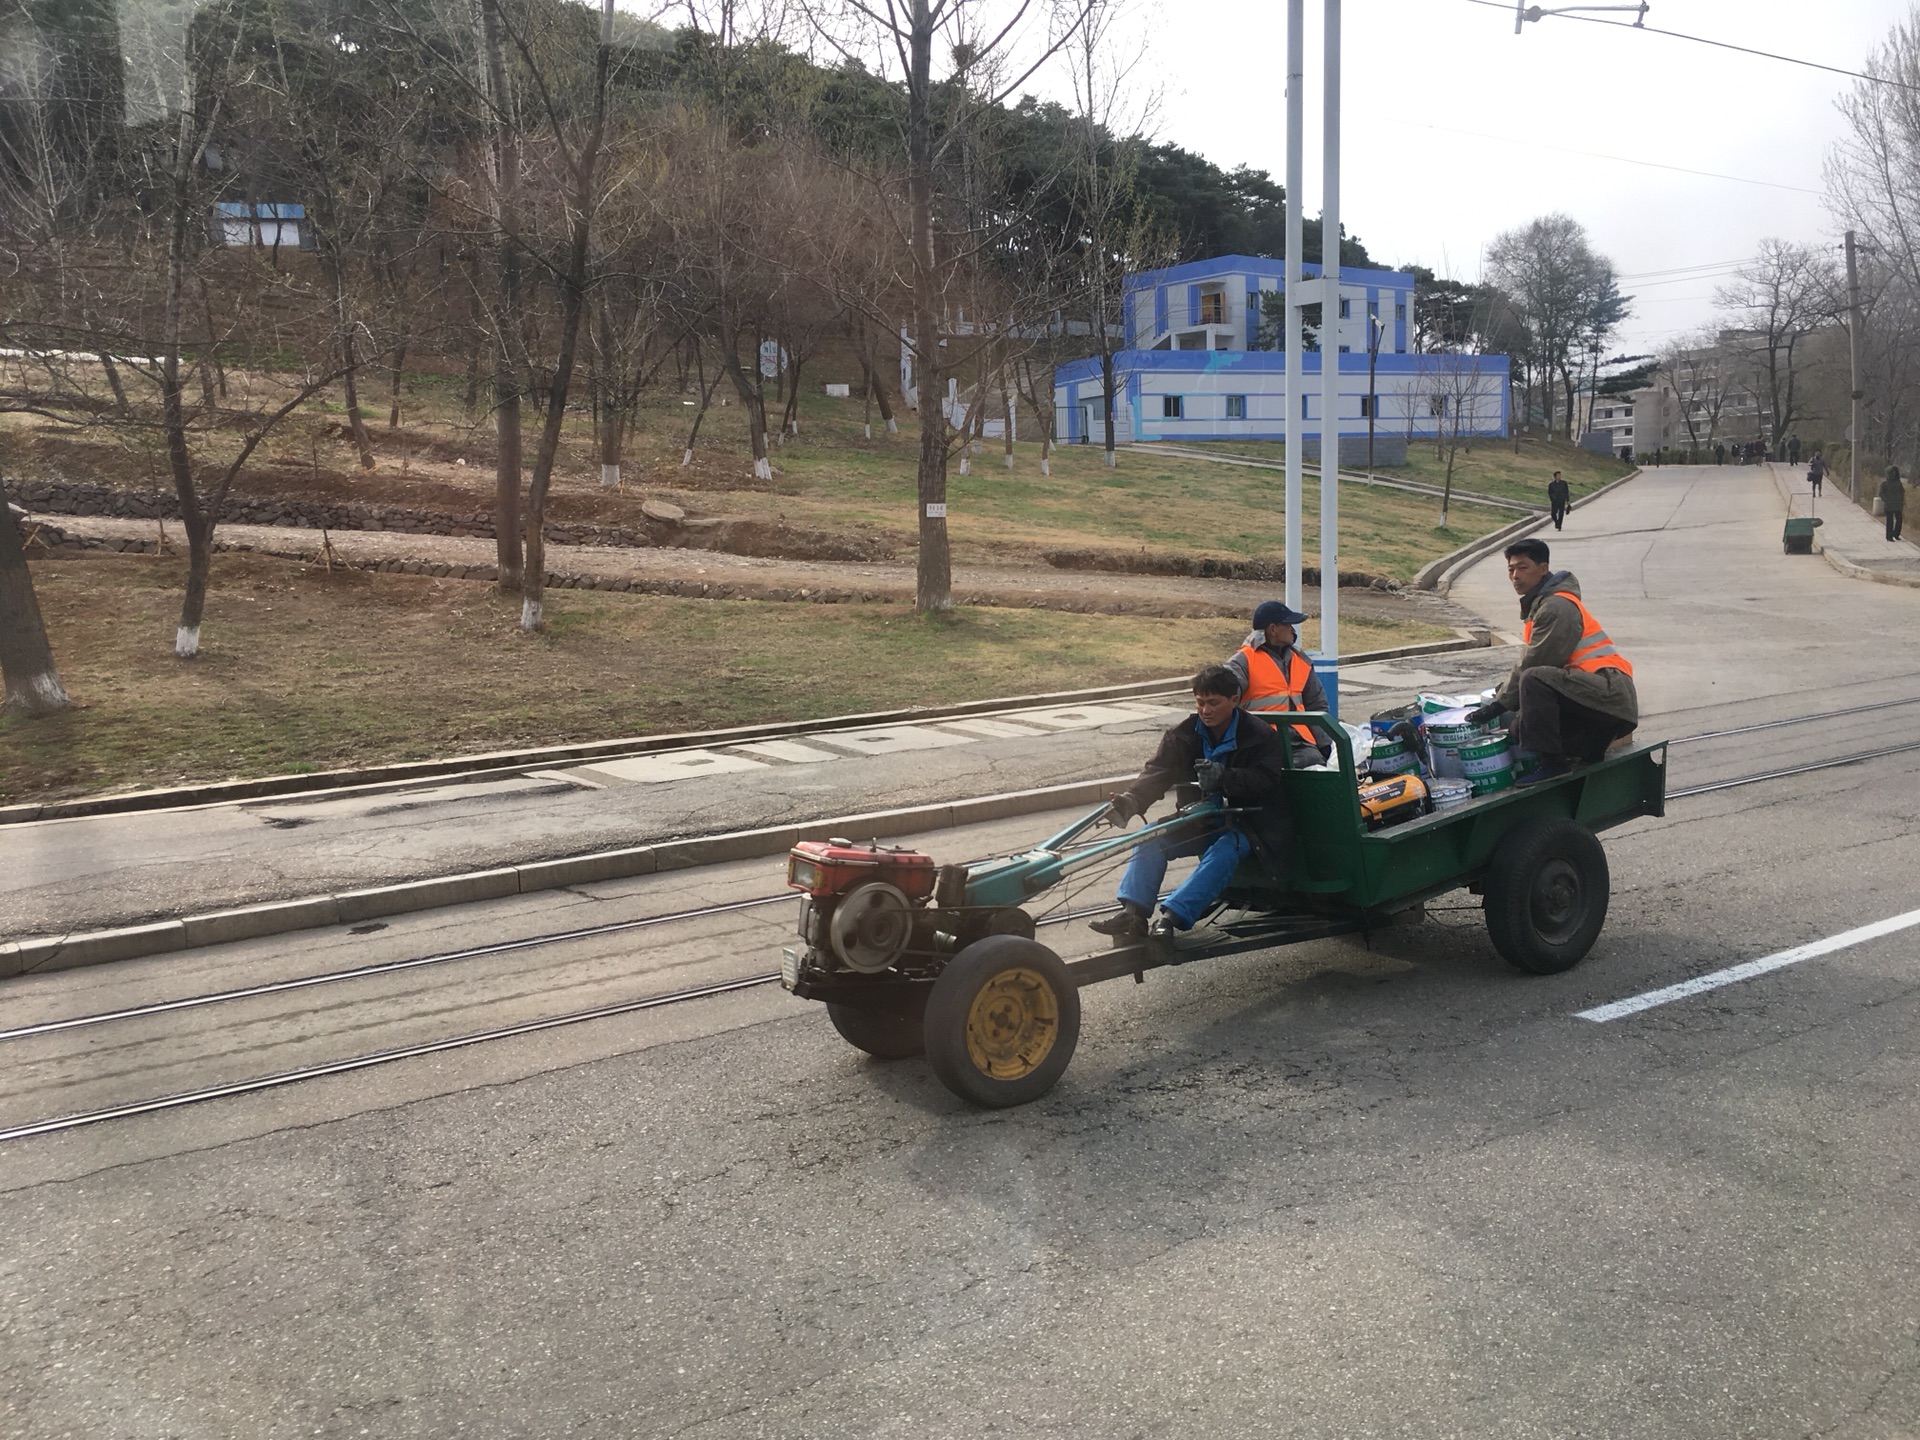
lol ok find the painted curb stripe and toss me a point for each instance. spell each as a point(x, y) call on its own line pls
point(1746, 971)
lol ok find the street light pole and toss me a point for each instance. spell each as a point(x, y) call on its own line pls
point(1329, 664)
point(1291, 336)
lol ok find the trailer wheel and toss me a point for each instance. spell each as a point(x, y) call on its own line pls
point(891, 1032)
point(1546, 895)
point(1002, 1021)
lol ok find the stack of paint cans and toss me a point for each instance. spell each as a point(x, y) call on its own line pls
point(1447, 731)
point(1487, 763)
point(1447, 793)
point(1390, 756)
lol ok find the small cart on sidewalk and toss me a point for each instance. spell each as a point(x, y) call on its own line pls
point(911, 956)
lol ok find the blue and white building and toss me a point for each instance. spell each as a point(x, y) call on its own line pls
point(1192, 369)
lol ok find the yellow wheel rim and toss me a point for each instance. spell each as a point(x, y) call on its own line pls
point(1012, 1024)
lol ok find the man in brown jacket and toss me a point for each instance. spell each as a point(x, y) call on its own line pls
point(1573, 690)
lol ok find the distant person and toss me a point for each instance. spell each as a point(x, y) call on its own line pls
point(1893, 500)
point(1816, 471)
point(1793, 449)
point(1720, 452)
point(1557, 497)
point(1275, 677)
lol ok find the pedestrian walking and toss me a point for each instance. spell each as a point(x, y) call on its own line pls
point(1816, 471)
point(1893, 501)
point(1557, 497)
point(1793, 449)
point(1720, 452)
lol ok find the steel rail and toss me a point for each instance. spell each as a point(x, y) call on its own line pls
point(1795, 720)
point(409, 1052)
point(385, 967)
point(628, 1007)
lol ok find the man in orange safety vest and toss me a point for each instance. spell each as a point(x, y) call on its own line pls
point(1275, 678)
point(1573, 689)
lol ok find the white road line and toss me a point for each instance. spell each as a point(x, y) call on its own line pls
point(1747, 970)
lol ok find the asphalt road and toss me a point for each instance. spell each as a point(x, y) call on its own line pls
point(1327, 1191)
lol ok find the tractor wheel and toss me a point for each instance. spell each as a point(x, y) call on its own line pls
point(1002, 1021)
point(1546, 895)
point(892, 1032)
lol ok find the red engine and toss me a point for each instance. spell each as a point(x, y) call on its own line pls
point(863, 901)
point(825, 868)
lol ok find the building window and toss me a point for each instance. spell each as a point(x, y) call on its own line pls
point(1627, 434)
point(1399, 310)
point(1346, 349)
point(1373, 308)
point(1171, 407)
point(1436, 404)
point(1236, 407)
point(1346, 308)
point(1213, 309)
point(1366, 407)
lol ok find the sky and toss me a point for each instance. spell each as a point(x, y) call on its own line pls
point(1453, 128)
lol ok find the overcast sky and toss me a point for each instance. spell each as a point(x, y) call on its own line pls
point(1419, 74)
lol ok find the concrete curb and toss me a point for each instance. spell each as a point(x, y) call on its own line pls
point(1439, 575)
point(473, 766)
point(1864, 572)
point(252, 922)
point(313, 912)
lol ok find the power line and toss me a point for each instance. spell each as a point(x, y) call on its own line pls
point(1597, 155)
point(1710, 265)
point(1721, 45)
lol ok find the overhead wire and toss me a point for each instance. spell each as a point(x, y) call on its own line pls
point(1719, 45)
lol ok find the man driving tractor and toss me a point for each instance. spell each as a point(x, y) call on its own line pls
point(1233, 754)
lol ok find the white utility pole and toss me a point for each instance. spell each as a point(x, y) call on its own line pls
point(1290, 326)
point(1856, 395)
point(1328, 665)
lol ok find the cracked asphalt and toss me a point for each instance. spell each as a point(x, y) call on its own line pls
point(1342, 1189)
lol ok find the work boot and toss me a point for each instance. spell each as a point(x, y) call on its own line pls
point(1127, 923)
point(1165, 925)
point(1545, 770)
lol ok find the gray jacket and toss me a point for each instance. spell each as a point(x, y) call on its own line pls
point(1556, 635)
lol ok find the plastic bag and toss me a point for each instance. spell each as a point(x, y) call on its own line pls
point(1879, 507)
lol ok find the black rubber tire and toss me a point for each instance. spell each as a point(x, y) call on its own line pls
point(950, 1010)
point(1546, 895)
point(891, 1033)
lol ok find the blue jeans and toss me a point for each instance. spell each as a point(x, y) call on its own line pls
point(1219, 851)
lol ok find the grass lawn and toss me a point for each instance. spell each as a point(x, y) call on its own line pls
point(303, 670)
point(1491, 467)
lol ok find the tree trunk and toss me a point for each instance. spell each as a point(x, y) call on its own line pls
point(1006, 412)
point(113, 380)
point(607, 409)
point(471, 401)
point(173, 410)
point(790, 421)
point(26, 655)
point(1109, 382)
point(349, 363)
point(395, 369)
point(751, 396)
point(508, 558)
point(573, 304)
point(933, 589)
point(706, 398)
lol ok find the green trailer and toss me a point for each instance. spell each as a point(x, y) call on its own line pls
point(913, 957)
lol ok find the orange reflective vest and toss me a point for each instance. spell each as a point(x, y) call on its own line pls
point(1269, 690)
point(1595, 651)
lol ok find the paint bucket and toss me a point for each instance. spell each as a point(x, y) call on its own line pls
point(1391, 757)
point(1488, 763)
point(1449, 792)
point(1439, 704)
point(1387, 719)
point(1447, 731)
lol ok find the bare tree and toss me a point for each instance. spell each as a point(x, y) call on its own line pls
point(981, 39)
point(1696, 372)
point(1783, 296)
point(26, 655)
point(1564, 293)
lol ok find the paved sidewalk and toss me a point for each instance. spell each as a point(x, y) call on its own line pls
point(1854, 542)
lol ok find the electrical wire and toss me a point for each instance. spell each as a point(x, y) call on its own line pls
point(1599, 155)
point(1718, 44)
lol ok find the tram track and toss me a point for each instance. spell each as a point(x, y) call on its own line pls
point(296, 1075)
